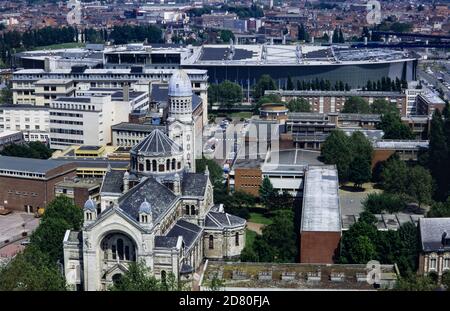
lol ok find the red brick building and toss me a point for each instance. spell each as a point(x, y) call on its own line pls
point(28, 184)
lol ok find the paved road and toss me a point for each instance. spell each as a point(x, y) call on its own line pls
point(433, 80)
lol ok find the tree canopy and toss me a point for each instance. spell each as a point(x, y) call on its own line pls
point(394, 128)
point(35, 149)
point(356, 104)
point(227, 93)
point(298, 105)
point(264, 83)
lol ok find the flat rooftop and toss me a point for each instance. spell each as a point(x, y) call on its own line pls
point(292, 160)
point(80, 183)
point(401, 144)
point(321, 210)
point(294, 276)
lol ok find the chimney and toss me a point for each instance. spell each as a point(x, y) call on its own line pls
point(126, 92)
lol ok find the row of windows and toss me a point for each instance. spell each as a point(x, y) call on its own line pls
point(66, 131)
point(62, 140)
point(153, 166)
point(433, 263)
point(67, 122)
point(66, 114)
point(23, 174)
point(211, 240)
point(24, 193)
point(74, 106)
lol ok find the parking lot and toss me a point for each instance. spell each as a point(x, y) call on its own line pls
point(13, 225)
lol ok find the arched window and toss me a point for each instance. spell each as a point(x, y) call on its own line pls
point(173, 164)
point(163, 276)
point(127, 252)
point(211, 242)
point(192, 210)
point(117, 278)
point(236, 239)
point(187, 210)
point(141, 167)
point(114, 251)
point(154, 166)
point(147, 165)
point(161, 168)
point(179, 165)
point(168, 165)
point(120, 248)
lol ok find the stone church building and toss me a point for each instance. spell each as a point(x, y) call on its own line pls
point(160, 212)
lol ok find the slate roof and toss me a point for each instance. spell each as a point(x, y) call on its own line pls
point(28, 164)
point(223, 220)
point(157, 144)
point(187, 230)
point(194, 184)
point(166, 241)
point(151, 190)
point(113, 182)
point(431, 233)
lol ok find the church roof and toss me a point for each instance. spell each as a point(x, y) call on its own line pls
point(194, 184)
point(187, 230)
point(113, 182)
point(157, 144)
point(160, 197)
point(223, 220)
point(166, 241)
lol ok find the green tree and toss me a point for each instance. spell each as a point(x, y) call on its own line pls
point(60, 215)
point(337, 150)
point(438, 156)
point(420, 184)
point(6, 96)
point(362, 250)
point(382, 106)
point(227, 93)
point(139, 278)
point(266, 191)
point(226, 35)
point(356, 104)
point(415, 283)
point(378, 203)
point(277, 242)
point(299, 105)
point(395, 176)
point(440, 209)
point(289, 84)
point(394, 128)
point(32, 270)
point(359, 171)
point(264, 83)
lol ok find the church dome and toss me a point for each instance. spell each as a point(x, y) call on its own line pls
point(145, 208)
point(180, 84)
point(90, 205)
point(157, 144)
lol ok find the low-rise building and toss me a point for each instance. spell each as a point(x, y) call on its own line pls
point(333, 101)
point(407, 150)
point(28, 184)
point(428, 102)
point(9, 137)
point(320, 227)
point(79, 190)
point(251, 276)
point(128, 134)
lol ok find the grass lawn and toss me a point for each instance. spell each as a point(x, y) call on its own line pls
point(69, 45)
point(259, 219)
point(249, 237)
